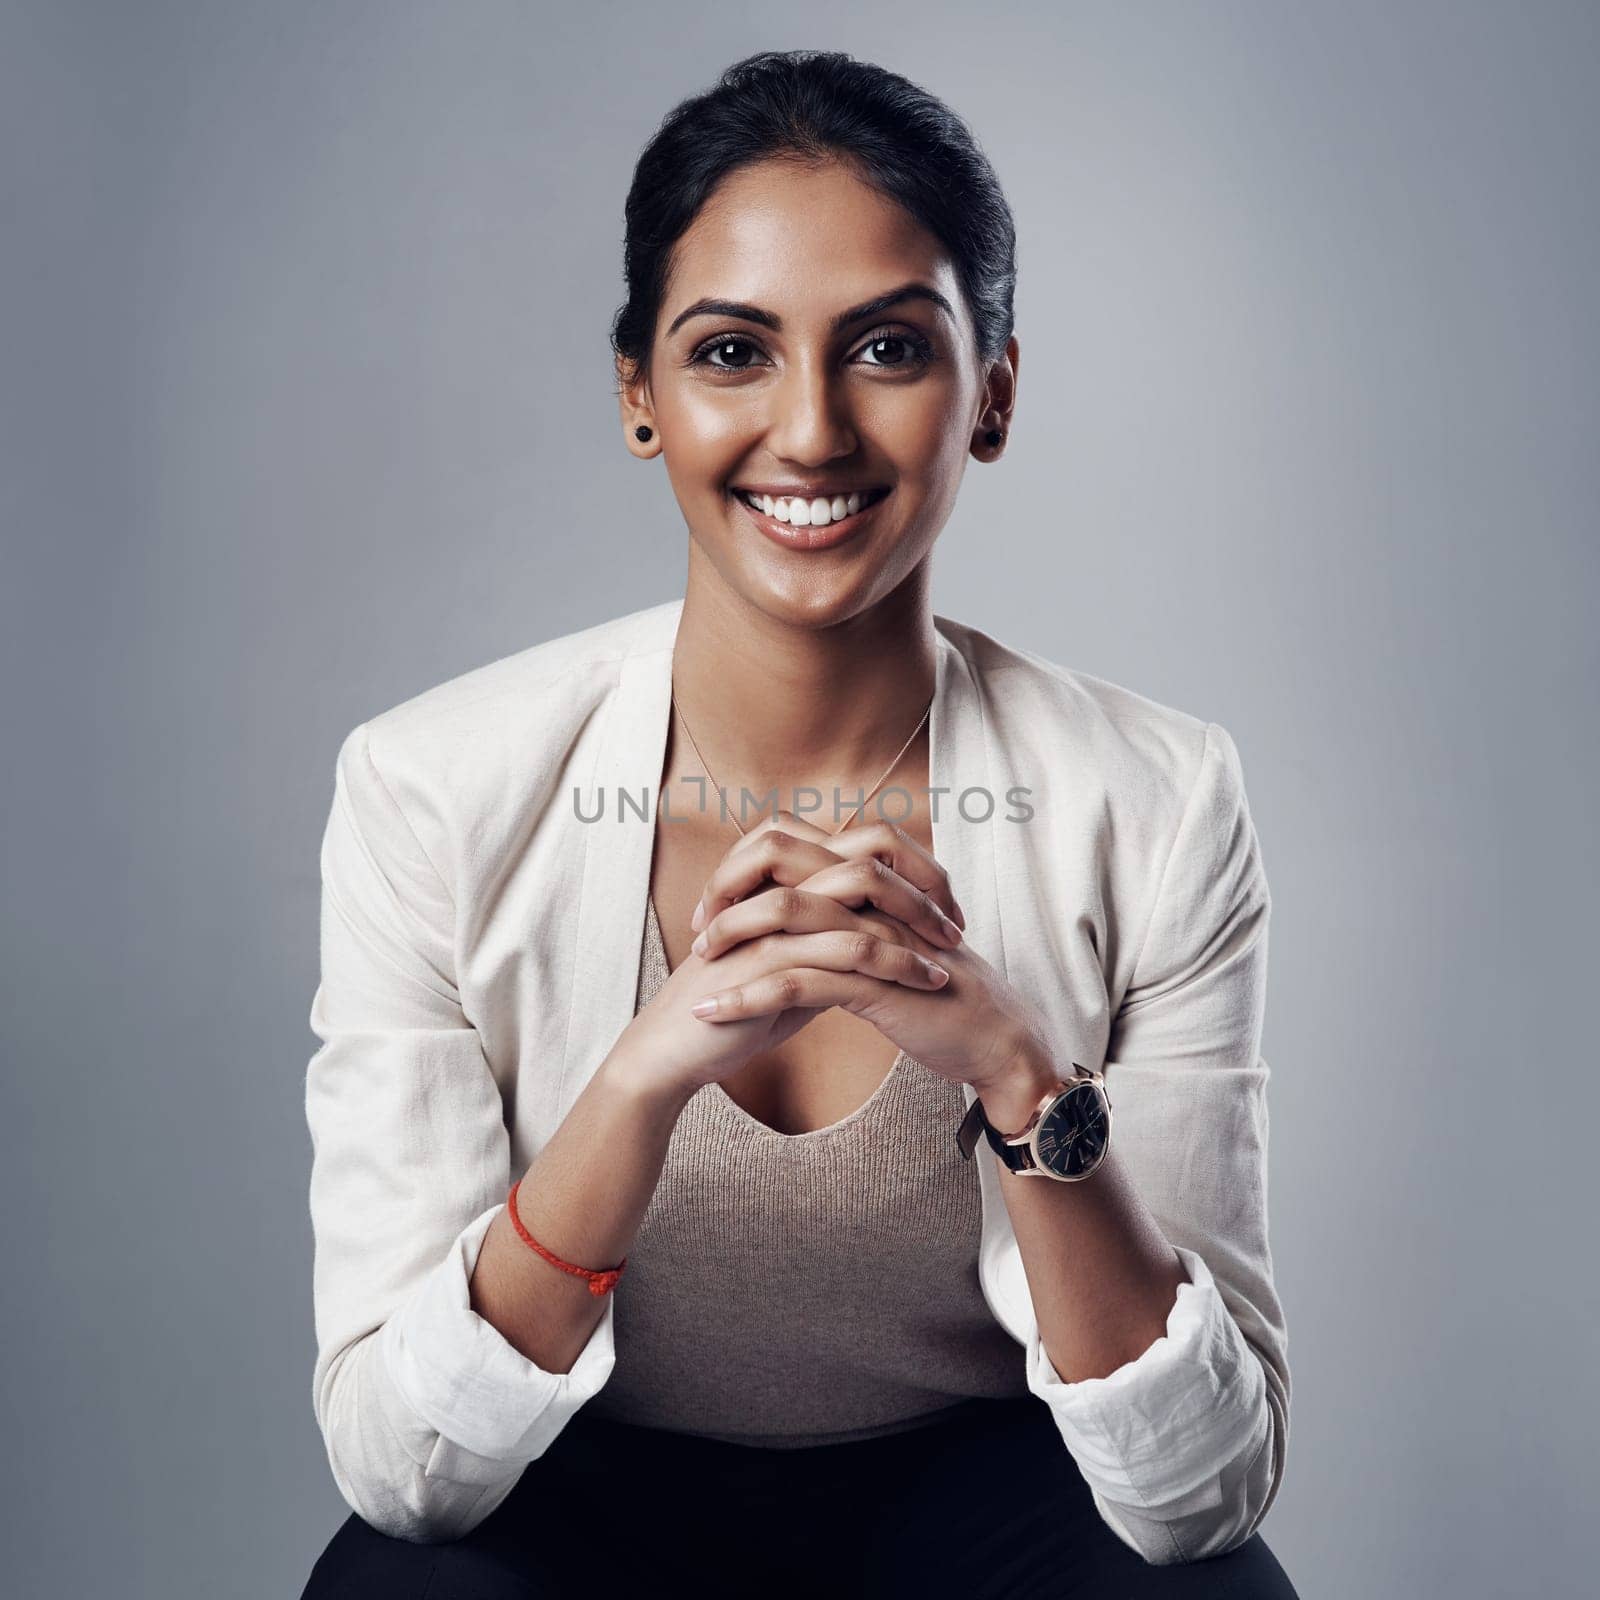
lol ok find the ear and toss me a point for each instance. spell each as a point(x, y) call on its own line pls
point(633, 399)
point(998, 404)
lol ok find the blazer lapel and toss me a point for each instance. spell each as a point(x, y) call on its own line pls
point(961, 757)
point(617, 850)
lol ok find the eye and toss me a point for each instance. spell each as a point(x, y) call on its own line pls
point(721, 345)
point(898, 349)
point(916, 350)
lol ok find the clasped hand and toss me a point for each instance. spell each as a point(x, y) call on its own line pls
point(794, 920)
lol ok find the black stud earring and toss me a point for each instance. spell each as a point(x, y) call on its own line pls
point(995, 436)
point(641, 433)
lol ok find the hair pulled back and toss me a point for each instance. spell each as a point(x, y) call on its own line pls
point(812, 106)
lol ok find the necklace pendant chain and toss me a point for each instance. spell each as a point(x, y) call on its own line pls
point(856, 812)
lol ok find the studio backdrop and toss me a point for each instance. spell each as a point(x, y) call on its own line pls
point(307, 405)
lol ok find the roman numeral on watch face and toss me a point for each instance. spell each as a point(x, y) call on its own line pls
point(1072, 1132)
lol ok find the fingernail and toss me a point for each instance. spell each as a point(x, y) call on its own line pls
point(704, 1008)
point(699, 914)
point(699, 946)
point(938, 974)
point(960, 915)
point(951, 931)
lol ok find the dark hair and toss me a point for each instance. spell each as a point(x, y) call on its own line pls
point(812, 106)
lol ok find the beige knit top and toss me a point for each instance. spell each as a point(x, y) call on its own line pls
point(800, 1289)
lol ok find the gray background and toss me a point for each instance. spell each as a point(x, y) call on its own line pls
point(306, 407)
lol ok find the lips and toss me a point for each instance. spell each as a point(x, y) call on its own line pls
point(824, 537)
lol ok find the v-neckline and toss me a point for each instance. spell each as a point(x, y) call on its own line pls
point(726, 1100)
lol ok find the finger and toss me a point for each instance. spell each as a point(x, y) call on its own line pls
point(809, 987)
point(775, 855)
point(811, 906)
point(782, 844)
point(853, 950)
point(867, 882)
point(785, 822)
point(789, 822)
point(896, 848)
point(870, 880)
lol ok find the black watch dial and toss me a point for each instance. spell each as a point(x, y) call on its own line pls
point(1073, 1131)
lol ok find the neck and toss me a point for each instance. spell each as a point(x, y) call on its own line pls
point(772, 704)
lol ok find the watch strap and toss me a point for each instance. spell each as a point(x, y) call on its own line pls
point(973, 1127)
point(1016, 1157)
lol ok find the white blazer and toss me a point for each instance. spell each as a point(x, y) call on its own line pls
point(479, 959)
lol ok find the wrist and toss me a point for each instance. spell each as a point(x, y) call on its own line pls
point(648, 1090)
point(1012, 1095)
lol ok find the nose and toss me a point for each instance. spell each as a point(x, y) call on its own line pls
point(810, 421)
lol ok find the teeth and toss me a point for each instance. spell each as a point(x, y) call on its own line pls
point(806, 513)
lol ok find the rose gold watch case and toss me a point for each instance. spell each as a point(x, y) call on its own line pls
point(1029, 1136)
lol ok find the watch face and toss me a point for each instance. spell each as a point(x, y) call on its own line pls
point(1073, 1131)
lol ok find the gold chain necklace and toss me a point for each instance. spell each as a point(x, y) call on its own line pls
point(858, 809)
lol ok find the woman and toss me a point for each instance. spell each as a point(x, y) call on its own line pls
point(773, 1300)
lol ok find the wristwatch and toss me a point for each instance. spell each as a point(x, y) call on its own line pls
point(1065, 1138)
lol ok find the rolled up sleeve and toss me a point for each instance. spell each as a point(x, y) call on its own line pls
point(1184, 1447)
point(428, 1414)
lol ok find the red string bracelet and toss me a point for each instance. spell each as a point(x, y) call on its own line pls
point(600, 1282)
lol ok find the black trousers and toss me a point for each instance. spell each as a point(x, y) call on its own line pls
point(987, 1503)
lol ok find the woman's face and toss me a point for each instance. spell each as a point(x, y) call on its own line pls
point(771, 391)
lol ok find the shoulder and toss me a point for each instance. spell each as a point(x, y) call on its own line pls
point(538, 693)
point(494, 737)
point(1150, 795)
point(561, 675)
point(1136, 752)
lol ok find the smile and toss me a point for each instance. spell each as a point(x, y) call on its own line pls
point(816, 524)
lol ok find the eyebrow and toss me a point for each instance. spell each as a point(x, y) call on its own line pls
point(770, 319)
